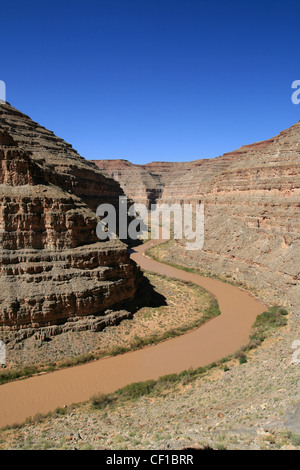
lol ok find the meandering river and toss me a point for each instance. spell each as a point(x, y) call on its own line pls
point(217, 338)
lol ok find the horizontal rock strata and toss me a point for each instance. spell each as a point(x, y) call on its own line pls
point(53, 268)
point(252, 211)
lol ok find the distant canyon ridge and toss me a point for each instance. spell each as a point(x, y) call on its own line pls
point(252, 211)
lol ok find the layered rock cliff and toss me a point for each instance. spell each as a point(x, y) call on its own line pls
point(252, 212)
point(144, 184)
point(53, 268)
point(63, 166)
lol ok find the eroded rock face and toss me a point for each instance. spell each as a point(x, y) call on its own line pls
point(143, 184)
point(62, 165)
point(52, 265)
point(252, 212)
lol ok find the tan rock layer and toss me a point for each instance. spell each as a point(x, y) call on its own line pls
point(62, 165)
point(252, 210)
point(53, 268)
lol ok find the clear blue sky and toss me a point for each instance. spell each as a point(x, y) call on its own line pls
point(148, 80)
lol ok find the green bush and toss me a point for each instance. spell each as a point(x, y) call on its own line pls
point(100, 400)
point(274, 317)
point(271, 318)
point(136, 389)
point(15, 374)
point(295, 439)
point(243, 359)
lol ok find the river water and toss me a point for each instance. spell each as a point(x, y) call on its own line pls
point(217, 338)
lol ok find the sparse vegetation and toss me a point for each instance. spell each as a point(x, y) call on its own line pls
point(100, 400)
point(243, 359)
point(159, 253)
point(274, 317)
point(155, 324)
point(184, 387)
point(6, 375)
point(295, 439)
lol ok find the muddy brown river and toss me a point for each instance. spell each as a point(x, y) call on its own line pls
point(217, 338)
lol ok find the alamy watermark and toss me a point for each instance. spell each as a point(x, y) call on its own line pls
point(296, 94)
point(2, 91)
point(2, 354)
point(296, 354)
point(178, 221)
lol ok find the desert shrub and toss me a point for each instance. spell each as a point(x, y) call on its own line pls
point(115, 350)
point(240, 353)
point(7, 375)
point(243, 359)
point(100, 399)
point(170, 378)
point(273, 317)
point(295, 439)
point(136, 389)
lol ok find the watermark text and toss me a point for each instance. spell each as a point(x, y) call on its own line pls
point(2, 91)
point(178, 221)
point(296, 94)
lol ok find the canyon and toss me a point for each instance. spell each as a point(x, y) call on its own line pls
point(251, 200)
point(214, 340)
point(57, 277)
point(53, 268)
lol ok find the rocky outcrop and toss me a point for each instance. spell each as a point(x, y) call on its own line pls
point(252, 213)
point(53, 268)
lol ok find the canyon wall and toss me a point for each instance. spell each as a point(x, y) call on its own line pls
point(53, 268)
point(143, 184)
point(251, 199)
